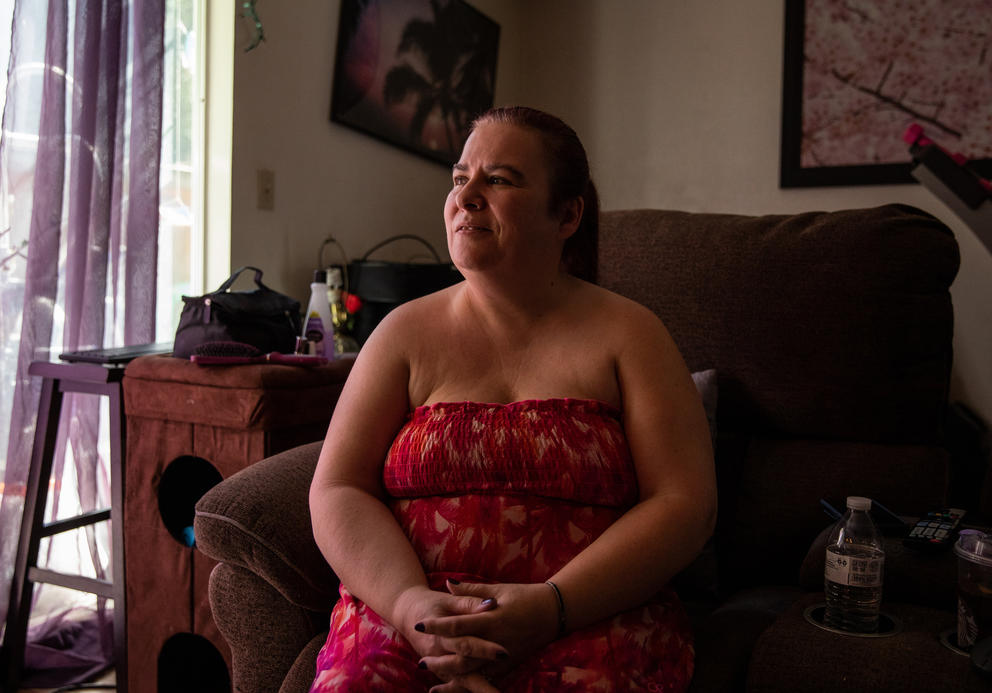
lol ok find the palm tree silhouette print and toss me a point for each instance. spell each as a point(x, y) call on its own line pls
point(458, 80)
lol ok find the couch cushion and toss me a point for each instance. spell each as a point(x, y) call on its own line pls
point(700, 580)
point(832, 325)
point(725, 636)
point(707, 384)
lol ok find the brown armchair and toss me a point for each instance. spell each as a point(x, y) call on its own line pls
point(831, 337)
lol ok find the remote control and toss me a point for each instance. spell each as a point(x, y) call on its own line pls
point(936, 530)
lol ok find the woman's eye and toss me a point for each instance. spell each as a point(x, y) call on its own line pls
point(498, 180)
point(459, 180)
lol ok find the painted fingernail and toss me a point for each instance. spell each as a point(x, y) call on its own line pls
point(420, 628)
point(422, 664)
point(453, 581)
point(489, 602)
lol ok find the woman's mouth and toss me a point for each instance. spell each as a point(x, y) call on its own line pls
point(471, 228)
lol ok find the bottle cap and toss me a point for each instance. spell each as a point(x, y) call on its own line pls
point(858, 503)
point(319, 277)
point(334, 276)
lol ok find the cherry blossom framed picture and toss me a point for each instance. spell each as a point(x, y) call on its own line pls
point(414, 73)
point(858, 73)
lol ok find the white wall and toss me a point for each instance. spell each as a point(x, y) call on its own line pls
point(329, 179)
point(678, 102)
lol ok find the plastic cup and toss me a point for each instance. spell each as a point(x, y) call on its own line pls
point(974, 552)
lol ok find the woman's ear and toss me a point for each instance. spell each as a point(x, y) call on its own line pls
point(571, 217)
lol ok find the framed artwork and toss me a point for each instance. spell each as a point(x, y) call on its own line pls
point(414, 72)
point(857, 73)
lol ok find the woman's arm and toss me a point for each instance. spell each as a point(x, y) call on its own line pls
point(670, 444)
point(353, 527)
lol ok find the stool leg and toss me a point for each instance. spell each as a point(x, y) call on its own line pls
point(118, 430)
point(32, 522)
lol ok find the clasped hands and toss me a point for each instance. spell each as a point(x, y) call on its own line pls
point(476, 631)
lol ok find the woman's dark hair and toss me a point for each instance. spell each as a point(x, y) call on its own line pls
point(569, 179)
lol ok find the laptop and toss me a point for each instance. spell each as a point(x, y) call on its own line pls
point(116, 355)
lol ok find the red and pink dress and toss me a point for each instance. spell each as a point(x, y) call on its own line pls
point(510, 493)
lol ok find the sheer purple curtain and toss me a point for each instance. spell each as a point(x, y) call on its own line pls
point(79, 161)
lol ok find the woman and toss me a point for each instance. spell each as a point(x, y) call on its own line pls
point(518, 463)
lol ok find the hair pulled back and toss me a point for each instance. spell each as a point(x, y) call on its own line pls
point(570, 178)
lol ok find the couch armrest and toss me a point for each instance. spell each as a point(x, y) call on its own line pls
point(911, 576)
point(259, 519)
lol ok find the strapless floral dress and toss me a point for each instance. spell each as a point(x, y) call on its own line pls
point(510, 493)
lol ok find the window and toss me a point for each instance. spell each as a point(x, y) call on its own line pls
point(180, 237)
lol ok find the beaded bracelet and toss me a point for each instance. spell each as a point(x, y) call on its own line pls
point(561, 607)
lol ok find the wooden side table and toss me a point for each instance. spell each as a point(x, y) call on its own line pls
point(189, 427)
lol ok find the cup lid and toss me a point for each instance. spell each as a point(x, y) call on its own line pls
point(975, 547)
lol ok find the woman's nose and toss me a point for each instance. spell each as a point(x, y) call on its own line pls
point(470, 196)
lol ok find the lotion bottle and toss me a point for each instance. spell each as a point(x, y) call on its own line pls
point(318, 328)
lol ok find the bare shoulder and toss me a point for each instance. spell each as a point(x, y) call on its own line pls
point(649, 365)
point(375, 399)
point(410, 323)
point(396, 343)
point(629, 322)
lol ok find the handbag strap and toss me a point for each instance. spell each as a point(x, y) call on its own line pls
point(230, 280)
point(401, 237)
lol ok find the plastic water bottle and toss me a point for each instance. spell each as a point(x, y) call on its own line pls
point(853, 573)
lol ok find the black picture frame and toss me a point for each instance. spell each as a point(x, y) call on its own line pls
point(796, 168)
point(414, 73)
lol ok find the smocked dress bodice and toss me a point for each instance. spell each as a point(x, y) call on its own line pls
point(566, 449)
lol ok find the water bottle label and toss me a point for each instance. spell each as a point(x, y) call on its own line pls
point(854, 571)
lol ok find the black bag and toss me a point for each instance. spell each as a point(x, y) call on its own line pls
point(384, 285)
point(263, 318)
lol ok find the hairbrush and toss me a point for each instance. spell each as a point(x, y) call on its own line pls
point(238, 353)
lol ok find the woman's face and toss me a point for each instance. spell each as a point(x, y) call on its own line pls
point(498, 212)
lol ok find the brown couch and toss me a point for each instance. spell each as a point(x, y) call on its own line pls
point(831, 337)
